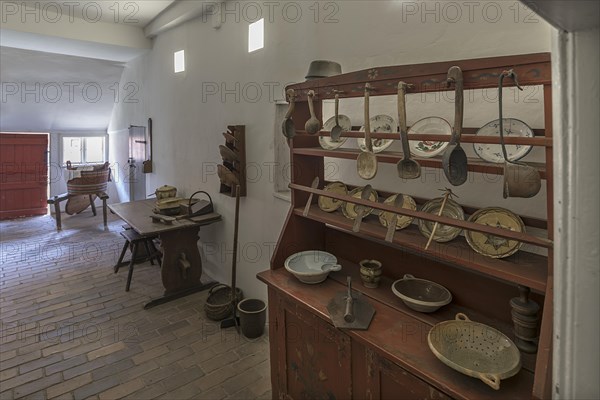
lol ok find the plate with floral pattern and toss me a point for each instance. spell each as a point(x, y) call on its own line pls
point(379, 124)
point(512, 128)
point(327, 142)
point(431, 126)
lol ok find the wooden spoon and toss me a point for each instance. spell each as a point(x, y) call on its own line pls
point(314, 185)
point(336, 131)
point(360, 209)
point(287, 127)
point(407, 168)
point(440, 213)
point(313, 125)
point(366, 163)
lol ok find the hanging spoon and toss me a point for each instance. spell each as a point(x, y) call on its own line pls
point(454, 160)
point(287, 127)
point(366, 163)
point(313, 125)
point(407, 168)
point(336, 131)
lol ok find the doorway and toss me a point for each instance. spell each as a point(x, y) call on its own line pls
point(23, 175)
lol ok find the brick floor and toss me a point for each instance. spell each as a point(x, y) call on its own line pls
point(70, 331)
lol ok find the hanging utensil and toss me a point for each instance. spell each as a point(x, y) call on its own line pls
point(337, 130)
point(454, 160)
point(147, 164)
point(407, 168)
point(227, 177)
point(360, 209)
point(392, 222)
point(230, 139)
point(447, 194)
point(313, 125)
point(350, 310)
point(287, 127)
point(228, 155)
point(520, 179)
point(366, 163)
point(314, 185)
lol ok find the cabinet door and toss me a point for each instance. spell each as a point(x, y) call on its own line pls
point(386, 380)
point(315, 357)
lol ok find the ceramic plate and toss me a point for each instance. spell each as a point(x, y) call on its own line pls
point(494, 246)
point(432, 126)
point(402, 220)
point(327, 203)
point(512, 128)
point(443, 233)
point(348, 208)
point(380, 124)
point(327, 142)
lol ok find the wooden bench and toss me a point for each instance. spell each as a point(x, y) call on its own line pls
point(56, 200)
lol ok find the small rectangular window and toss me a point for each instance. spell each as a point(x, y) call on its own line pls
point(256, 35)
point(84, 150)
point(179, 61)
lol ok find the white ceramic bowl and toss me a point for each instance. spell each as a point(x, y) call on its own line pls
point(312, 266)
point(420, 294)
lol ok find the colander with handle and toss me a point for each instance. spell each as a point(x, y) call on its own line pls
point(475, 349)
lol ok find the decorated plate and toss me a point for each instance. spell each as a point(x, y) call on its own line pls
point(490, 245)
point(328, 204)
point(348, 209)
point(432, 126)
point(380, 124)
point(512, 128)
point(402, 220)
point(327, 142)
point(443, 233)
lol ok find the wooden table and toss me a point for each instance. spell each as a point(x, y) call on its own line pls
point(181, 263)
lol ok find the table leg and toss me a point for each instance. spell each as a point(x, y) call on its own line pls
point(57, 215)
point(104, 213)
point(181, 265)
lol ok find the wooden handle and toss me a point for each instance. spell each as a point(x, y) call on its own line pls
point(402, 118)
point(436, 224)
point(349, 312)
point(337, 109)
point(291, 95)
point(455, 76)
point(367, 122)
point(311, 107)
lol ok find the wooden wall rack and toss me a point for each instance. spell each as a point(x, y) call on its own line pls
point(312, 359)
point(238, 168)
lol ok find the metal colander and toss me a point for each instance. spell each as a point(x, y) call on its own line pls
point(475, 349)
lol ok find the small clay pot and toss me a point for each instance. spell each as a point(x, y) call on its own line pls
point(370, 273)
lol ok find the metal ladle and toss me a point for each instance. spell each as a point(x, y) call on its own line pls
point(336, 131)
point(454, 160)
point(313, 125)
point(366, 163)
point(520, 179)
point(407, 168)
point(287, 127)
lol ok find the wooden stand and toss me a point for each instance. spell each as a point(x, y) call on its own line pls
point(56, 200)
point(312, 359)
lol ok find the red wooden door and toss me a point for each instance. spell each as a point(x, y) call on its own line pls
point(23, 175)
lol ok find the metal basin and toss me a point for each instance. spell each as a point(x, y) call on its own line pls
point(420, 294)
point(323, 69)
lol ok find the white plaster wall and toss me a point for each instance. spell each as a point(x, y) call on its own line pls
point(187, 130)
point(577, 271)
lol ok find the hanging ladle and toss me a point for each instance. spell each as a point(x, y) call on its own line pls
point(287, 127)
point(366, 163)
point(407, 168)
point(313, 125)
point(454, 160)
point(336, 131)
point(520, 179)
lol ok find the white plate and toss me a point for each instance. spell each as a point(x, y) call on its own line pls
point(380, 124)
point(432, 126)
point(308, 266)
point(327, 142)
point(512, 128)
